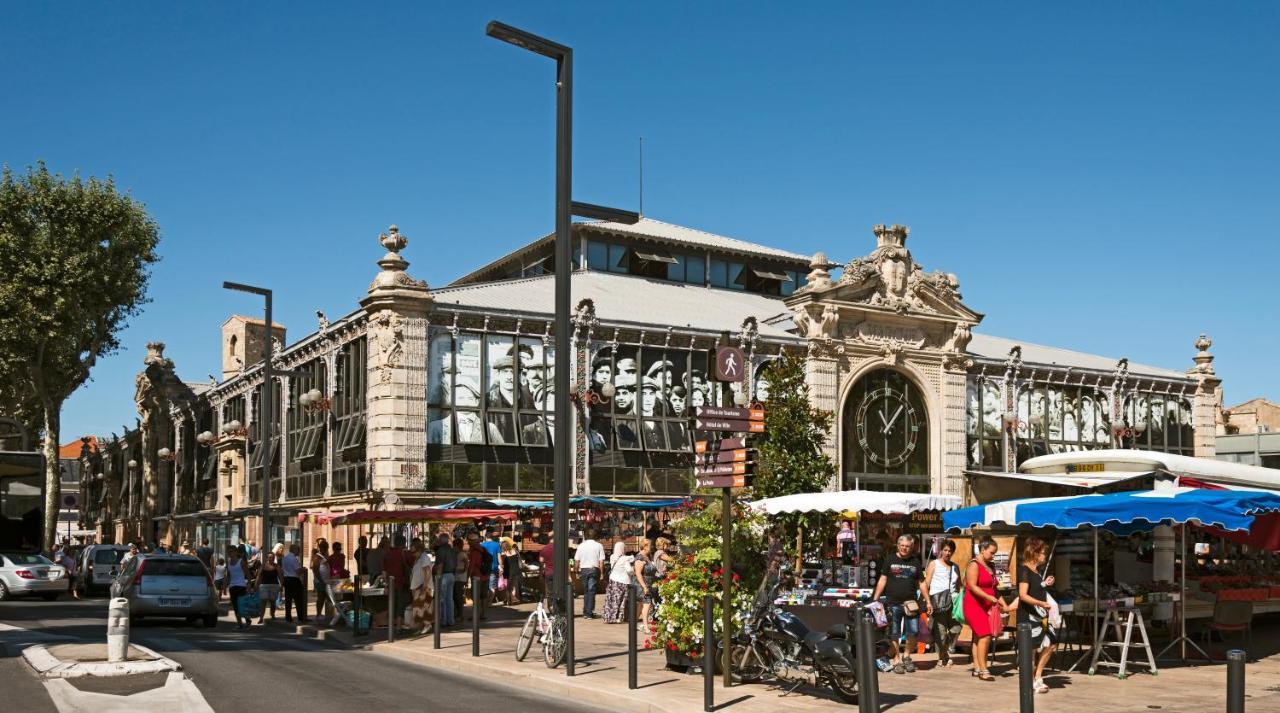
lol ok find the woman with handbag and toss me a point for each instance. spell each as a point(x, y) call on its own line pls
point(268, 582)
point(981, 603)
point(1035, 605)
point(944, 581)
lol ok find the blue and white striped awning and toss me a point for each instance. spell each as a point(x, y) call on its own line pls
point(1224, 509)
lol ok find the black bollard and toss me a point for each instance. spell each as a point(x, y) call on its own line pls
point(708, 652)
point(359, 606)
point(436, 602)
point(631, 637)
point(1235, 681)
point(869, 682)
point(391, 609)
point(865, 660)
point(1026, 669)
point(475, 616)
point(569, 661)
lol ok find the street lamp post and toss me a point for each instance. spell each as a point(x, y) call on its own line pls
point(565, 208)
point(264, 415)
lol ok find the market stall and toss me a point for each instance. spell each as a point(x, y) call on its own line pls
point(864, 525)
point(1124, 513)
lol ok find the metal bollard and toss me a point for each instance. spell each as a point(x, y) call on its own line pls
point(1026, 669)
point(631, 637)
point(118, 630)
point(570, 662)
point(475, 616)
point(864, 661)
point(359, 606)
point(869, 682)
point(391, 609)
point(1235, 680)
point(708, 653)
point(436, 603)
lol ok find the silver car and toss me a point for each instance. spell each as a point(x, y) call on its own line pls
point(99, 565)
point(170, 585)
point(24, 573)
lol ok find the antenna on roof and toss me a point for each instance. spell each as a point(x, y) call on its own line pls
point(641, 175)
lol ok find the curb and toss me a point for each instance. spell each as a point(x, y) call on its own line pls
point(49, 666)
point(629, 701)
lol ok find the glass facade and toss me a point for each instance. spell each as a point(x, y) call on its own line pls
point(350, 473)
point(692, 268)
point(308, 434)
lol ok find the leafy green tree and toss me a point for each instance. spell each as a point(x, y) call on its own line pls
point(789, 458)
point(76, 258)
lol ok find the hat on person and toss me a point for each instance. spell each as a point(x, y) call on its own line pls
point(659, 366)
point(504, 362)
point(625, 381)
point(651, 383)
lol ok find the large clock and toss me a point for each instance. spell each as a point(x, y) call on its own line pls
point(888, 426)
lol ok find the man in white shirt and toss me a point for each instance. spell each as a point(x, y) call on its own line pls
point(295, 596)
point(589, 560)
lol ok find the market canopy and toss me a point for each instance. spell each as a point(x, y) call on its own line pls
point(1225, 509)
point(857, 501)
point(576, 501)
point(403, 517)
point(1118, 462)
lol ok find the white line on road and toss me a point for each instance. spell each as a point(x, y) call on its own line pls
point(177, 694)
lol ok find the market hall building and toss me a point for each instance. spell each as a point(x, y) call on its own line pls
point(422, 394)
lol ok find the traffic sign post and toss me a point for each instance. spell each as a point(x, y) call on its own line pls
point(727, 424)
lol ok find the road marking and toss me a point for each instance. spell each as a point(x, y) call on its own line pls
point(177, 694)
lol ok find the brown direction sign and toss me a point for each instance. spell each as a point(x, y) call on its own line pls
point(738, 455)
point(731, 412)
point(724, 444)
point(723, 481)
point(730, 364)
point(722, 469)
point(727, 424)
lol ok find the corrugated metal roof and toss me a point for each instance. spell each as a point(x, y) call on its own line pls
point(627, 299)
point(650, 228)
point(989, 347)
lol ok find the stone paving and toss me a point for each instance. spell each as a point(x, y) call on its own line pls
point(602, 677)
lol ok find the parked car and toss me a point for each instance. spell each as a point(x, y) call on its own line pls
point(169, 585)
point(99, 565)
point(25, 573)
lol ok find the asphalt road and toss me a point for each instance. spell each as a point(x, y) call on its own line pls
point(262, 668)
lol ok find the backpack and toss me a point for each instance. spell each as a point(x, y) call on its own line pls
point(486, 561)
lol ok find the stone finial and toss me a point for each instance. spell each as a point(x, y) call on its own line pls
point(819, 276)
point(1203, 359)
point(392, 240)
point(891, 236)
point(393, 275)
point(1203, 343)
point(155, 353)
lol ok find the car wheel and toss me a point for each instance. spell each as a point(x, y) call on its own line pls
point(49, 596)
point(4, 592)
point(210, 621)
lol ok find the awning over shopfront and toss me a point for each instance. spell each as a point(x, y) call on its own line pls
point(1117, 460)
point(419, 515)
point(1225, 509)
point(856, 501)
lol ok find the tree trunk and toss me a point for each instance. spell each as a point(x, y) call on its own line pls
point(52, 473)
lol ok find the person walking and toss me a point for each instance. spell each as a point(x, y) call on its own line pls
point(220, 577)
point(420, 586)
point(319, 566)
point(944, 581)
point(444, 566)
point(268, 582)
point(644, 572)
point(615, 593)
point(902, 584)
point(509, 583)
point(494, 548)
point(982, 606)
point(461, 562)
point(1034, 605)
point(204, 553)
point(338, 562)
point(396, 563)
point(478, 567)
point(295, 595)
point(237, 584)
point(589, 559)
point(63, 557)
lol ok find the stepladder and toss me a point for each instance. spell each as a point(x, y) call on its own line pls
point(1117, 631)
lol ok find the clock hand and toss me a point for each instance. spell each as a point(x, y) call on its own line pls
point(881, 415)
point(892, 420)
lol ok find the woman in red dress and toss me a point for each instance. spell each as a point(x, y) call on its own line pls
point(979, 599)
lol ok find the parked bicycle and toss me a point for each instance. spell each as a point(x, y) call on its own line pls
point(550, 629)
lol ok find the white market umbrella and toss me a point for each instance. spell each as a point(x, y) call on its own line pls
point(857, 501)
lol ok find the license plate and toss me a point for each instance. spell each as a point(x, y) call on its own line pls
point(175, 601)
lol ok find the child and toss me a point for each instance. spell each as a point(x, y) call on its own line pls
point(220, 577)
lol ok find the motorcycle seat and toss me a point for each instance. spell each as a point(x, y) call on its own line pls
point(813, 638)
point(836, 632)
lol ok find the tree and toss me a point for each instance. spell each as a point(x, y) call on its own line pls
point(76, 258)
point(790, 459)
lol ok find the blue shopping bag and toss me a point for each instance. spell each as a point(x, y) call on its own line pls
point(250, 605)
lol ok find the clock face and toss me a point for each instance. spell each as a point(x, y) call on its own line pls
point(888, 426)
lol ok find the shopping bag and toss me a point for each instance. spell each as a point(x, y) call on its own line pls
point(877, 611)
point(957, 610)
point(250, 605)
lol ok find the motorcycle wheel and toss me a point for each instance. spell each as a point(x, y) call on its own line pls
point(845, 687)
point(746, 663)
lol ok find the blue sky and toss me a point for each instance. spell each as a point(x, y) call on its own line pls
point(1101, 176)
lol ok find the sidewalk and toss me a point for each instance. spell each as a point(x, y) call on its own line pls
point(602, 677)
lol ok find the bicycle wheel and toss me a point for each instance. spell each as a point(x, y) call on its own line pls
point(526, 637)
point(556, 645)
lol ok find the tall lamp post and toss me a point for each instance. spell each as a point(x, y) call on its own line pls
point(264, 415)
point(566, 207)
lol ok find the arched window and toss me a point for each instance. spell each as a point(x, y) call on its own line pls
point(886, 434)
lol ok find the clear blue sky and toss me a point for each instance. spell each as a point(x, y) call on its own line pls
point(1101, 176)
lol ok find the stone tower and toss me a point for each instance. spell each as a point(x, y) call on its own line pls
point(242, 344)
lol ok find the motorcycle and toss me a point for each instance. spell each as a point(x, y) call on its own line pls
point(773, 642)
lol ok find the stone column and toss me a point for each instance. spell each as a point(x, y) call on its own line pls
point(951, 479)
point(395, 405)
point(1207, 404)
point(821, 376)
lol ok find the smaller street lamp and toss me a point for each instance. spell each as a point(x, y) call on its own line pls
point(314, 401)
point(205, 438)
point(133, 463)
point(165, 454)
